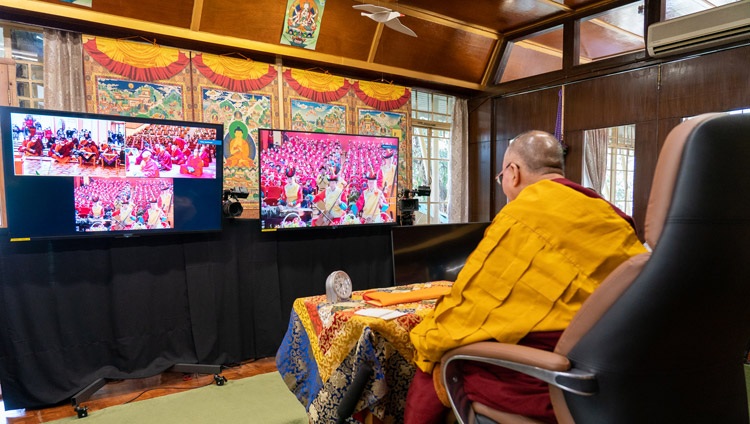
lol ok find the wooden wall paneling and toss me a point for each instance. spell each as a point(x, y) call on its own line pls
point(480, 154)
point(610, 101)
point(480, 182)
point(260, 21)
point(716, 82)
point(536, 110)
point(8, 89)
point(574, 156)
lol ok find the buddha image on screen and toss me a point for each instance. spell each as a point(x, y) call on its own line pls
point(123, 204)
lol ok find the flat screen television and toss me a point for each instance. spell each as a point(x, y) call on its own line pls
point(424, 253)
point(326, 180)
point(82, 175)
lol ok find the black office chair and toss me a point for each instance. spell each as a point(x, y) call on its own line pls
point(662, 340)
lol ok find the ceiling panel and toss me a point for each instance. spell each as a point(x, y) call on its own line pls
point(255, 20)
point(169, 12)
point(501, 16)
point(346, 33)
point(437, 50)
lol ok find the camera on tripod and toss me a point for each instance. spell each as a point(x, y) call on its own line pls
point(230, 204)
point(408, 203)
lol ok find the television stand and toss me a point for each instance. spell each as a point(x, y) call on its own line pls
point(88, 391)
point(201, 369)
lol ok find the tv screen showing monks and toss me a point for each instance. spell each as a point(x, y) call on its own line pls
point(75, 174)
point(328, 180)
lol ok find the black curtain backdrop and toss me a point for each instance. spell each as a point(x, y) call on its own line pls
point(73, 311)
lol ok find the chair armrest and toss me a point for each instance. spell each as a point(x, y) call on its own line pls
point(550, 367)
point(513, 353)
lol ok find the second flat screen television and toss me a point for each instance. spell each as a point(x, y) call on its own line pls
point(311, 179)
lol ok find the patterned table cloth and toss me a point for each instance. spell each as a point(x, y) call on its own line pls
point(326, 344)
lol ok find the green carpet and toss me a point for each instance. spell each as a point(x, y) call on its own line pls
point(260, 399)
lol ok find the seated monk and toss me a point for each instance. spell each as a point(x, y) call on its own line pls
point(62, 151)
point(108, 156)
point(87, 151)
point(163, 158)
point(544, 253)
point(178, 158)
point(194, 165)
point(32, 147)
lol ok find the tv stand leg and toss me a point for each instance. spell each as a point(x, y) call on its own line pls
point(84, 395)
point(201, 369)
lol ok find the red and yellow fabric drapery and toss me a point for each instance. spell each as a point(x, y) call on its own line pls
point(318, 87)
point(381, 96)
point(235, 74)
point(136, 61)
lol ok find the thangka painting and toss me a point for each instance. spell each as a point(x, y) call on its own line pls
point(317, 117)
point(389, 124)
point(302, 23)
point(241, 114)
point(140, 99)
point(130, 78)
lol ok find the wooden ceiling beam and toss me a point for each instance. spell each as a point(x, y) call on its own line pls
point(195, 22)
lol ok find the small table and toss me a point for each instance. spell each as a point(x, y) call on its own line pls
point(326, 344)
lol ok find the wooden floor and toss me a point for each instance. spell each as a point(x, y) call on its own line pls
point(123, 391)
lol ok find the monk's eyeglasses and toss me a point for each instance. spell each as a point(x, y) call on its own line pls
point(499, 176)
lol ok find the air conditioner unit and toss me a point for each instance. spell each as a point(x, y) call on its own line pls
point(713, 27)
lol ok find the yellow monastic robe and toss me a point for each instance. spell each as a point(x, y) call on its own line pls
point(540, 259)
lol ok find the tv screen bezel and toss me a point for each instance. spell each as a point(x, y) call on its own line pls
point(214, 220)
point(396, 141)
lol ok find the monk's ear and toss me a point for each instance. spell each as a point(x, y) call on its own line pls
point(515, 176)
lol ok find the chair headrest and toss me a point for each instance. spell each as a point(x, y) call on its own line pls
point(665, 176)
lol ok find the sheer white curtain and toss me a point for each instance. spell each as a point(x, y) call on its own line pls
point(458, 195)
point(63, 71)
point(595, 157)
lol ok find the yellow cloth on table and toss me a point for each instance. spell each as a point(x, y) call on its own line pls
point(380, 298)
point(540, 259)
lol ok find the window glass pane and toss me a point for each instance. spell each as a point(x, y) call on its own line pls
point(537, 54)
point(444, 148)
point(677, 8)
point(37, 90)
point(22, 70)
point(419, 147)
point(442, 182)
point(419, 172)
point(615, 32)
point(431, 153)
point(421, 131)
point(441, 104)
point(27, 45)
point(23, 88)
point(37, 72)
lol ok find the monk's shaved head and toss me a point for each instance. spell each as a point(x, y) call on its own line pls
point(539, 151)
